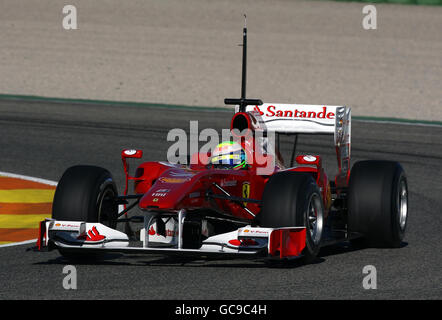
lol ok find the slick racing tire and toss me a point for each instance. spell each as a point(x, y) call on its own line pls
point(378, 203)
point(85, 193)
point(293, 199)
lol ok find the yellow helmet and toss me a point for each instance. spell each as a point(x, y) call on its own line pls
point(229, 154)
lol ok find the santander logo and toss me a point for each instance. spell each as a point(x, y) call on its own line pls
point(271, 111)
point(169, 233)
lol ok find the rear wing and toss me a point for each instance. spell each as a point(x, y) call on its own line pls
point(313, 119)
point(310, 119)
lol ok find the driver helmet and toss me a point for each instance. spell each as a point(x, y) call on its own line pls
point(230, 155)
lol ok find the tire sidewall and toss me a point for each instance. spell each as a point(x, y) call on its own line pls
point(105, 188)
point(397, 232)
point(311, 188)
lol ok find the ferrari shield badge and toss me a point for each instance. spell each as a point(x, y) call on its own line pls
point(245, 191)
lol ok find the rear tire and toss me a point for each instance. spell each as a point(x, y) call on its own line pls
point(85, 193)
point(378, 203)
point(293, 199)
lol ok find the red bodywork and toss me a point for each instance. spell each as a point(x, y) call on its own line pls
point(169, 187)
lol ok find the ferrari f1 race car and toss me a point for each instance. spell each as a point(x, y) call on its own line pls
point(238, 201)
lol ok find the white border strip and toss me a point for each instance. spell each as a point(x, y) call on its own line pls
point(18, 243)
point(19, 176)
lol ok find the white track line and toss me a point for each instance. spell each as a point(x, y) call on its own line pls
point(19, 176)
point(417, 124)
point(19, 243)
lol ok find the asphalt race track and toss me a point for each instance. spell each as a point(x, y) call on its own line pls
point(43, 139)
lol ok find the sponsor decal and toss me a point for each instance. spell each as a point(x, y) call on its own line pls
point(271, 112)
point(260, 232)
point(181, 174)
point(228, 183)
point(66, 226)
point(173, 180)
point(254, 232)
point(169, 233)
point(155, 199)
point(245, 191)
point(159, 194)
point(194, 194)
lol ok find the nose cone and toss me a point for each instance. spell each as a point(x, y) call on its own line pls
point(169, 189)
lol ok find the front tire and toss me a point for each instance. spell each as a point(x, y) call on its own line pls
point(85, 193)
point(293, 199)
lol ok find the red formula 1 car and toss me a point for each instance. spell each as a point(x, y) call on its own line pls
point(259, 208)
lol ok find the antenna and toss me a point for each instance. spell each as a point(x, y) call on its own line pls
point(243, 102)
point(244, 59)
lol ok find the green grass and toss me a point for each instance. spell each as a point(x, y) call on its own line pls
point(414, 2)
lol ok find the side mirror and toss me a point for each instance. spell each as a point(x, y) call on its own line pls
point(129, 153)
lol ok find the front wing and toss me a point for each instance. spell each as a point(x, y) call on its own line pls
point(245, 242)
